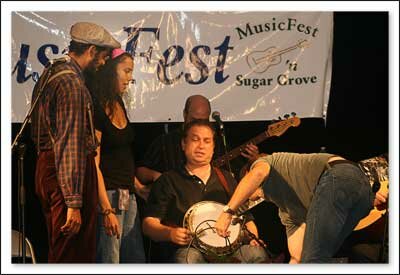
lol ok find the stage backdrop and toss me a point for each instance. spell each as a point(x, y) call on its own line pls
point(251, 65)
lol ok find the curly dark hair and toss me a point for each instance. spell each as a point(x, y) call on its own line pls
point(79, 48)
point(104, 85)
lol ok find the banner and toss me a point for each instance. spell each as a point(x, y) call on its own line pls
point(251, 65)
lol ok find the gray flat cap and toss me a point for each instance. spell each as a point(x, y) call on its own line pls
point(90, 33)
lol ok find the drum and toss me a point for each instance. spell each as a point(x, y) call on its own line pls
point(200, 219)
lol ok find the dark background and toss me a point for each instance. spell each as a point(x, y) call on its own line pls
point(356, 125)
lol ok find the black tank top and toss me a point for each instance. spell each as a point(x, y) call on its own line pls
point(117, 161)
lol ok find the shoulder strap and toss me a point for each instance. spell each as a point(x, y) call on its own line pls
point(60, 73)
point(222, 180)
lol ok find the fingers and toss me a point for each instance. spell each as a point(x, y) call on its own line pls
point(381, 197)
point(73, 222)
point(381, 200)
point(75, 227)
point(109, 229)
point(244, 154)
point(181, 236)
point(260, 242)
point(254, 243)
point(222, 231)
point(111, 225)
point(66, 227)
point(222, 225)
point(257, 194)
point(71, 227)
point(118, 231)
point(185, 236)
point(251, 151)
point(252, 148)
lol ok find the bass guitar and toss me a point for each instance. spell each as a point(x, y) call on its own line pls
point(275, 129)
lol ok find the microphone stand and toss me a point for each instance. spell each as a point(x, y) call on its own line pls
point(252, 236)
point(21, 154)
point(222, 132)
point(21, 199)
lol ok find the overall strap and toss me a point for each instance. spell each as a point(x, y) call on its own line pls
point(47, 124)
point(60, 73)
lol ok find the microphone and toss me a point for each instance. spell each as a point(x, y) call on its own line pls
point(217, 117)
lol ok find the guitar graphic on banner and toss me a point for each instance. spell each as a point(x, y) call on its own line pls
point(260, 61)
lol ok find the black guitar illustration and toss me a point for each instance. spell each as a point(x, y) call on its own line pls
point(260, 61)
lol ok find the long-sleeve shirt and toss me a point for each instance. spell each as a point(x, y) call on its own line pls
point(65, 109)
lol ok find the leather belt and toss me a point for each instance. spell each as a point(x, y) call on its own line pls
point(375, 186)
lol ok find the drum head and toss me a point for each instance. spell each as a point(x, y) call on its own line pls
point(200, 219)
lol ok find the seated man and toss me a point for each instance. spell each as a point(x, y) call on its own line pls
point(177, 190)
point(165, 151)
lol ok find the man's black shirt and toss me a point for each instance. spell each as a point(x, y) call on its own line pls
point(176, 191)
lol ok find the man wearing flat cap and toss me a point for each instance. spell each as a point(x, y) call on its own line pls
point(62, 129)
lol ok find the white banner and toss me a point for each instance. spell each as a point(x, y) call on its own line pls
point(251, 65)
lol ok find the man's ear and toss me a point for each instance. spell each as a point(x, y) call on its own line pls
point(92, 50)
point(183, 144)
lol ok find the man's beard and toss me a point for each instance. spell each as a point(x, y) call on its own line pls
point(90, 71)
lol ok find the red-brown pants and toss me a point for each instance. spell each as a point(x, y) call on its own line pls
point(79, 248)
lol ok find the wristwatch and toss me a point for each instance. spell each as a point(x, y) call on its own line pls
point(227, 209)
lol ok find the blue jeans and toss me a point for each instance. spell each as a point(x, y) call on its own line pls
point(245, 254)
point(127, 249)
point(342, 197)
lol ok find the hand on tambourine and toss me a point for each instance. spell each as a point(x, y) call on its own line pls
point(180, 235)
point(222, 224)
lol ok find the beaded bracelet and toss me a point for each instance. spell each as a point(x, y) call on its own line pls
point(108, 211)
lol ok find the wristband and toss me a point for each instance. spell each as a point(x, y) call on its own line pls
point(109, 211)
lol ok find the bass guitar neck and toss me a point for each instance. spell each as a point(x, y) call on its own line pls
point(221, 161)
